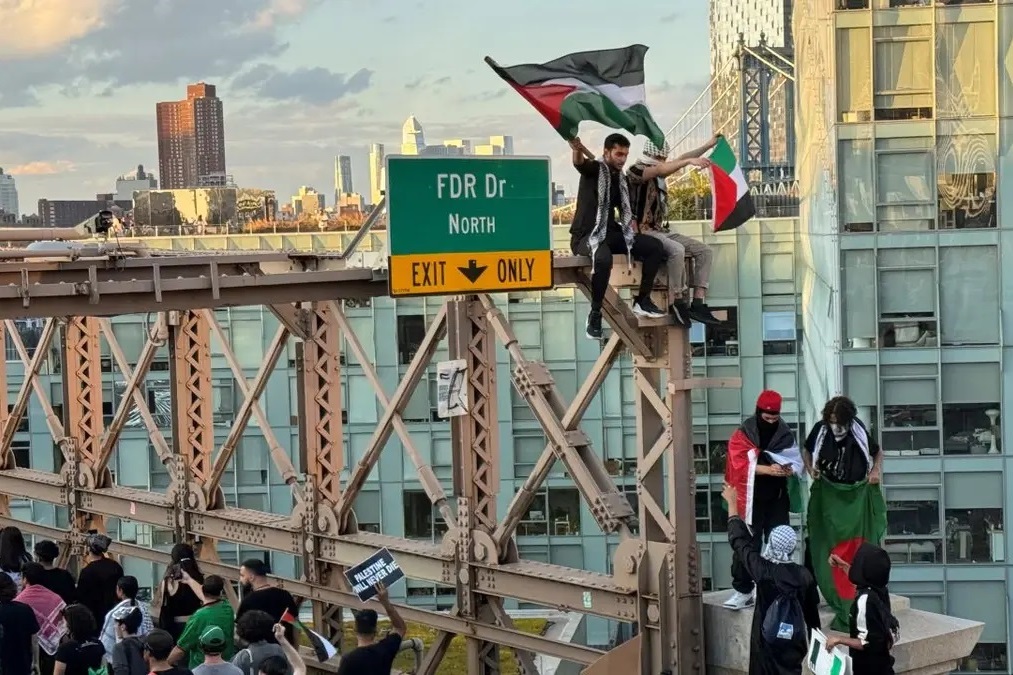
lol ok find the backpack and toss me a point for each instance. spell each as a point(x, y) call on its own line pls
point(783, 624)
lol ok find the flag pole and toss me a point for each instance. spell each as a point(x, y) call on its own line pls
point(498, 69)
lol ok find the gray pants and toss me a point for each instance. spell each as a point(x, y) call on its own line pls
point(678, 247)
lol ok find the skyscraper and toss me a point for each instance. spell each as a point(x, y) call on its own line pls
point(8, 194)
point(497, 145)
point(902, 140)
point(413, 140)
point(342, 177)
point(191, 138)
point(760, 25)
point(376, 171)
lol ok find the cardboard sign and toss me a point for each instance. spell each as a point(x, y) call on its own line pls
point(822, 662)
point(378, 567)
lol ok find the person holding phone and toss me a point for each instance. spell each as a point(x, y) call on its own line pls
point(763, 454)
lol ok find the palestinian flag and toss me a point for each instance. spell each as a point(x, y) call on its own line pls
point(744, 455)
point(840, 518)
point(322, 648)
point(733, 205)
point(601, 86)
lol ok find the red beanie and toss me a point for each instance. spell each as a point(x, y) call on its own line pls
point(769, 401)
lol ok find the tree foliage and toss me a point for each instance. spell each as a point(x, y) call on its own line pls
point(689, 196)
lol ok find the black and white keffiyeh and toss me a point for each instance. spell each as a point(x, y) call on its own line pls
point(601, 218)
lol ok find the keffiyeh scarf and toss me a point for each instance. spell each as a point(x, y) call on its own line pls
point(861, 438)
point(601, 218)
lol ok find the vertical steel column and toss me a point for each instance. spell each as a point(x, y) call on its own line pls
point(322, 440)
point(82, 386)
point(671, 609)
point(193, 432)
point(681, 487)
point(475, 439)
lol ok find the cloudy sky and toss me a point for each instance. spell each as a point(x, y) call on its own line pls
point(302, 80)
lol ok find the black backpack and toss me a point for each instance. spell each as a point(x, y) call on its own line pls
point(783, 624)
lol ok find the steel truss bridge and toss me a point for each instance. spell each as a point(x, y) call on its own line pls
point(656, 581)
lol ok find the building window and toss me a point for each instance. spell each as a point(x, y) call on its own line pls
point(23, 423)
point(30, 331)
point(910, 421)
point(411, 330)
point(720, 340)
point(966, 75)
point(972, 422)
point(711, 512)
point(906, 297)
point(554, 511)
point(854, 73)
point(966, 180)
point(986, 657)
point(856, 185)
point(912, 525)
point(852, 4)
point(419, 515)
point(905, 170)
point(902, 80)
point(859, 282)
point(974, 518)
point(969, 295)
point(22, 451)
point(779, 333)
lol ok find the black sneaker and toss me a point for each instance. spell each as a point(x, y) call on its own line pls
point(701, 313)
point(593, 326)
point(646, 308)
point(679, 312)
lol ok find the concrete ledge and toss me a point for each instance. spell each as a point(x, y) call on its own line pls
point(929, 644)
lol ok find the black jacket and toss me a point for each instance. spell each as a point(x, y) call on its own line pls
point(871, 619)
point(773, 579)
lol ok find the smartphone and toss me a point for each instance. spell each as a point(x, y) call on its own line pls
point(175, 572)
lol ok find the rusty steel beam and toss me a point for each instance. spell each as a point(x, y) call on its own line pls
point(656, 582)
point(250, 407)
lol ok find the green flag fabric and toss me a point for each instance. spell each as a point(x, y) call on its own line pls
point(796, 496)
point(841, 517)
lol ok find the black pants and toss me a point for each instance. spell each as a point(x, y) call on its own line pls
point(648, 251)
point(766, 516)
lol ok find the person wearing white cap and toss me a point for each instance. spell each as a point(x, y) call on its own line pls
point(649, 201)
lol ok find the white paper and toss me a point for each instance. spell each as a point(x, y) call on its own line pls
point(821, 662)
point(452, 388)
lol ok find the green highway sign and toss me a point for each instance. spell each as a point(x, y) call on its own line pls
point(471, 224)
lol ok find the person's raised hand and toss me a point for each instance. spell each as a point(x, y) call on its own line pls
point(729, 493)
point(381, 592)
point(279, 632)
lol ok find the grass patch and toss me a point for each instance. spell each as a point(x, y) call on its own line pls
point(456, 660)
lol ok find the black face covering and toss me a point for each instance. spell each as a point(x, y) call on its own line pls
point(765, 429)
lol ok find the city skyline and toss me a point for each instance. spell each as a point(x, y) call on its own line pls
point(70, 125)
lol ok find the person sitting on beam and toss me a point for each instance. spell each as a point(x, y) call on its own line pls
point(603, 226)
point(649, 195)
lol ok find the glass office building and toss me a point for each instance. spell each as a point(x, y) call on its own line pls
point(904, 145)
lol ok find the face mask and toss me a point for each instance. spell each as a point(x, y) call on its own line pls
point(838, 431)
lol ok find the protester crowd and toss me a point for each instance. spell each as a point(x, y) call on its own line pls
point(52, 624)
point(843, 559)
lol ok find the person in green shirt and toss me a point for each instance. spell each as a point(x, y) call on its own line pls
point(216, 611)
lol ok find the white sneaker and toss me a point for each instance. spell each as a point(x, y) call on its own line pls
point(740, 600)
